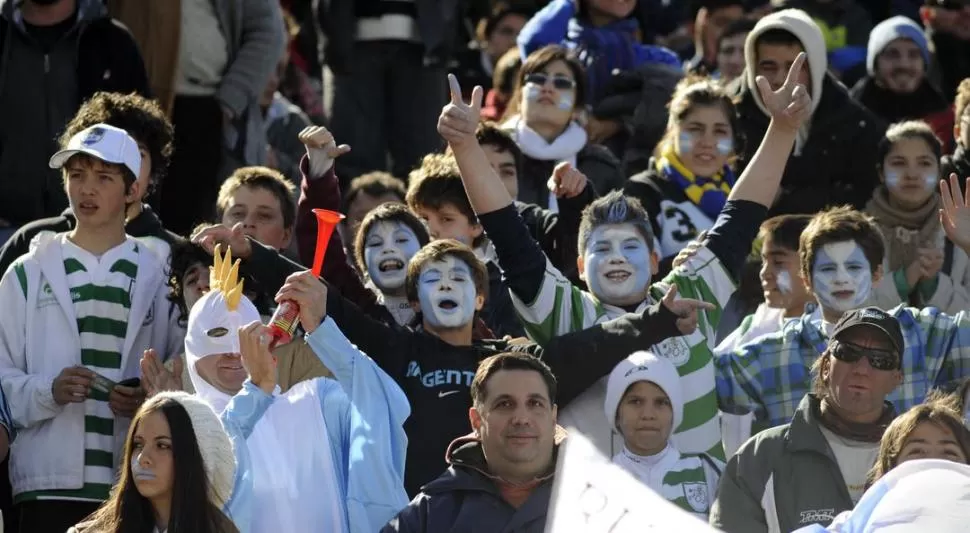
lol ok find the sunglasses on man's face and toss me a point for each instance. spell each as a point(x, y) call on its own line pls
point(878, 359)
point(559, 82)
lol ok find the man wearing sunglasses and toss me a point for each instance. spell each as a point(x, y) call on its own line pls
point(811, 469)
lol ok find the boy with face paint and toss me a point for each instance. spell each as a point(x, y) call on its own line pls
point(617, 261)
point(446, 285)
point(841, 254)
point(436, 195)
point(388, 238)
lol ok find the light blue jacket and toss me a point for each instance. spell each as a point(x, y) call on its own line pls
point(364, 411)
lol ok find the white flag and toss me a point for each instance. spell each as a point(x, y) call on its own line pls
point(592, 495)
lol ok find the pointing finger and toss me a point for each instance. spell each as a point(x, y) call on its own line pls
point(796, 68)
point(670, 295)
point(455, 89)
point(478, 94)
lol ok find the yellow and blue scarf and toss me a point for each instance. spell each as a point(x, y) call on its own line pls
point(709, 194)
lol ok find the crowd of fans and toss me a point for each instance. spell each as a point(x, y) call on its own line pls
point(726, 241)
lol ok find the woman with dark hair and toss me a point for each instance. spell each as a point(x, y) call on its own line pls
point(691, 174)
point(543, 118)
point(178, 472)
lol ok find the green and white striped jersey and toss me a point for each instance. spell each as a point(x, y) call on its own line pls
point(561, 308)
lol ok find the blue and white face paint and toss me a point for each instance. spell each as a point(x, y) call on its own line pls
point(685, 143)
point(725, 146)
point(388, 247)
point(446, 293)
point(137, 471)
point(841, 276)
point(616, 264)
point(783, 282)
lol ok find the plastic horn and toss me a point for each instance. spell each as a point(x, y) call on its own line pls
point(286, 317)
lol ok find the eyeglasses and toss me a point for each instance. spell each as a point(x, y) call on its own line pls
point(559, 82)
point(878, 359)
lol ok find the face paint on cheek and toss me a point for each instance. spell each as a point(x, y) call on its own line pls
point(617, 265)
point(449, 301)
point(930, 181)
point(841, 276)
point(725, 146)
point(685, 143)
point(783, 281)
point(532, 92)
point(892, 178)
point(566, 102)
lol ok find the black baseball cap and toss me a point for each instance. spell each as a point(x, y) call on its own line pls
point(874, 318)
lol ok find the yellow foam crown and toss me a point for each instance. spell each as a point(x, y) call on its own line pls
point(224, 277)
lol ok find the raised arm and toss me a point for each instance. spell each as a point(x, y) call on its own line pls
point(789, 107)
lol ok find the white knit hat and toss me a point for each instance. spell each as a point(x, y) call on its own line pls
point(643, 366)
point(214, 444)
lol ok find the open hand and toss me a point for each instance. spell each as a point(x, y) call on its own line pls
point(155, 378)
point(686, 310)
point(310, 294)
point(458, 120)
point(234, 238)
point(791, 104)
point(955, 214)
point(566, 181)
point(254, 341)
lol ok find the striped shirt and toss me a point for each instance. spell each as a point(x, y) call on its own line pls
point(101, 289)
point(562, 308)
point(690, 482)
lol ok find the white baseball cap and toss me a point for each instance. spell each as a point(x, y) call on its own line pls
point(107, 143)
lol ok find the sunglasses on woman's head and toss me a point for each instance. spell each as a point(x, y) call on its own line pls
point(559, 82)
point(878, 359)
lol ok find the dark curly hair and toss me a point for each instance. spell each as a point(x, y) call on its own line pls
point(142, 118)
point(184, 254)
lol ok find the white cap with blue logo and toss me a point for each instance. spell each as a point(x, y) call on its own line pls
point(104, 142)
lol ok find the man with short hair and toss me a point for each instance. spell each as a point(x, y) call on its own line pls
point(502, 473)
point(811, 469)
point(832, 161)
point(897, 87)
point(712, 17)
point(80, 309)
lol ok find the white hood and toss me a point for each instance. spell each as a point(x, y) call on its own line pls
point(214, 323)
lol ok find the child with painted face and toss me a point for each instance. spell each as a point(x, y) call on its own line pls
point(446, 284)
point(691, 176)
point(282, 480)
point(542, 118)
point(841, 253)
point(923, 268)
point(388, 238)
point(617, 261)
point(436, 195)
point(644, 398)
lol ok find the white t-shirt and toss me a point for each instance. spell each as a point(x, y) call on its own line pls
point(855, 458)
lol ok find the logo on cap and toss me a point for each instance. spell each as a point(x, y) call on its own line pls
point(873, 314)
point(93, 137)
point(217, 332)
point(641, 368)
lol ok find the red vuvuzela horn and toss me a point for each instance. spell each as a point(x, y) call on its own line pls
point(286, 317)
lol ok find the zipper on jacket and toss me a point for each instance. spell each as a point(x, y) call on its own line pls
point(47, 63)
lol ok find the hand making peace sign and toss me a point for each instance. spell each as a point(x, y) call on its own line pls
point(459, 120)
point(791, 104)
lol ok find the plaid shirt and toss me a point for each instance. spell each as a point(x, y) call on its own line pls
point(771, 374)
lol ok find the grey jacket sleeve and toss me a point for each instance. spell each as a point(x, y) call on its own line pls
point(737, 508)
point(260, 47)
